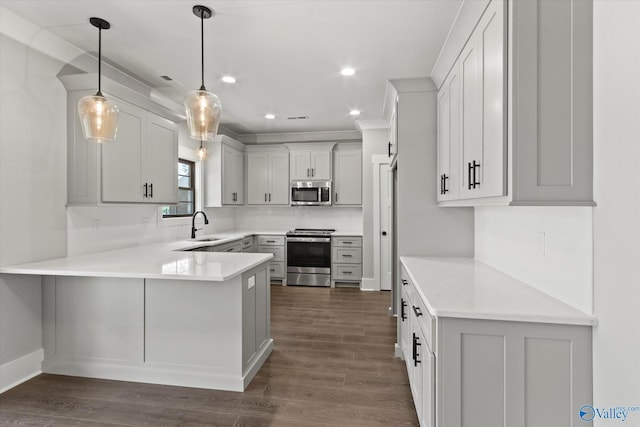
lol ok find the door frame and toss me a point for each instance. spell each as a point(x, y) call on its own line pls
point(376, 161)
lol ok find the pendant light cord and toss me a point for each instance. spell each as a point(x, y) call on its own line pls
point(99, 61)
point(202, 47)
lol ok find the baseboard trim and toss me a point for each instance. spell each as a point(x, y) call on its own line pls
point(17, 371)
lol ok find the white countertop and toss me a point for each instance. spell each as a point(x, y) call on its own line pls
point(156, 261)
point(466, 288)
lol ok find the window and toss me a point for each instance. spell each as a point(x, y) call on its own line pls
point(186, 191)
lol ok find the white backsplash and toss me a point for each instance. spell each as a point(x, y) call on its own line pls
point(286, 218)
point(101, 228)
point(549, 248)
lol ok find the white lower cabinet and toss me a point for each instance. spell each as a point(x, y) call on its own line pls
point(483, 372)
point(272, 244)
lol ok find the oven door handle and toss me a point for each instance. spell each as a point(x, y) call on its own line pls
point(309, 239)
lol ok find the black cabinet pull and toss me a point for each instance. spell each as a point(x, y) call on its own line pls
point(469, 180)
point(404, 282)
point(384, 233)
point(146, 189)
point(308, 173)
point(416, 344)
point(269, 196)
point(417, 311)
point(347, 255)
point(445, 190)
point(403, 305)
point(473, 179)
point(151, 190)
point(265, 197)
point(336, 197)
point(390, 148)
point(313, 172)
point(441, 184)
point(347, 272)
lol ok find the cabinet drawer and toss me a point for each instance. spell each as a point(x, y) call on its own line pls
point(276, 270)
point(418, 308)
point(270, 240)
point(277, 251)
point(346, 272)
point(247, 243)
point(347, 255)
point(229, 247)
point(355, 242)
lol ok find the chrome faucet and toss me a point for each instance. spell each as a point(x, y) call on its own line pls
point(193, 223)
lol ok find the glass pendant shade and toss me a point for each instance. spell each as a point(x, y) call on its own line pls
point(99, 118)
point(203, 114)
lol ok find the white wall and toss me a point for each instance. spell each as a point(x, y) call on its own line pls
point(549, 248)
point(616, 219)
point(32, 194)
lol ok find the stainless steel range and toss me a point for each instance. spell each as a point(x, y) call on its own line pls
point(309, 257)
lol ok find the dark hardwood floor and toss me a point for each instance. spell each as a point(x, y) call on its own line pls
point(332, 365)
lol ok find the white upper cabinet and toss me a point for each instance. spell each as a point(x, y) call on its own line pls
point(482, 98)
point(525, 91)
point(140, 166)
point(310, 161)
point(347, 182)
point(267, 175)
point(449, 119)
point(224, 172)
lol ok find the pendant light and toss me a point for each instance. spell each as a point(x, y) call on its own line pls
point(203, 107)
point(202, 152)
point(98, 115)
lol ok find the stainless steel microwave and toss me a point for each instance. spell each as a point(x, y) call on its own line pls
point(310, 193)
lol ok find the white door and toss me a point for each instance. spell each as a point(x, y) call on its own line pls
point(382, 223)
point(385, 227)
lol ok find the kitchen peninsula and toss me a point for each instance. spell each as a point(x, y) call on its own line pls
point(157, 313)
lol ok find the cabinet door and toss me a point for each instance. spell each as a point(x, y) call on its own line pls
point(122, 177)
point(279, 185)
point(482, 73)
point(232, 176)
point(348, 177)
point(257, 178)
point(449, 137)
point(161, 161)
point(471, 108)
point(300, 165)
point(320, 164)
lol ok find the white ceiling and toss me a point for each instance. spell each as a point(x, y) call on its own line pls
point(285, 54)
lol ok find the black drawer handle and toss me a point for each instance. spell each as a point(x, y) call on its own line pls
point(403, 305)
point(347, 255)
point(417, 311)
point(404, 282)
point(273, 270)
point(347, 272)
point(416, 344)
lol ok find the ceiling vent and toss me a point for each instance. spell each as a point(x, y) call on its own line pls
point(298, 118)
point(165, 81)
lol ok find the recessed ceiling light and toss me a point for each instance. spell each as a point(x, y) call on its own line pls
point(228, 79)
point(354, 112)
point(270, 116)
point(348, 71)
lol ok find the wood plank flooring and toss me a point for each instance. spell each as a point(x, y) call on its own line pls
point(332, 365)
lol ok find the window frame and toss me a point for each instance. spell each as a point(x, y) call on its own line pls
point(193, 188)
point(186, 153)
